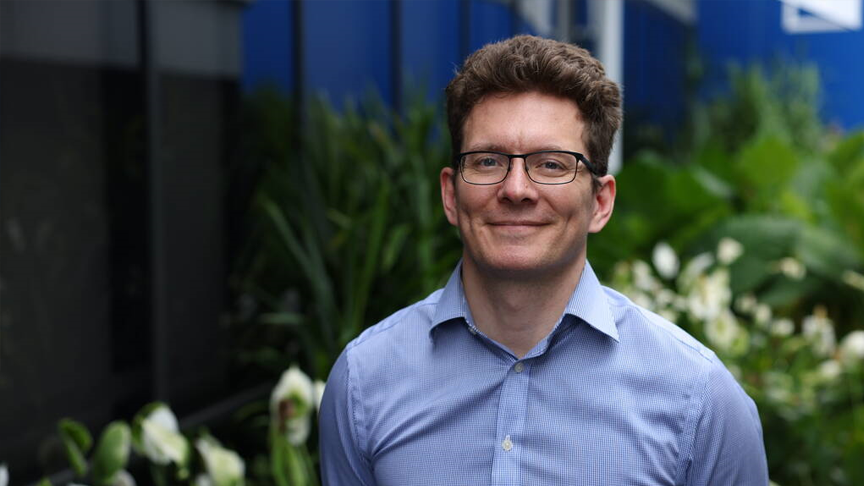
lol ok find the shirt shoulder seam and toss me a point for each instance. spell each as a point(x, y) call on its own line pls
point(649, 317)
point(389, 322)
point(358, 417)
point(692, 422)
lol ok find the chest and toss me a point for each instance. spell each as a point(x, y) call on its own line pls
point(528, 423)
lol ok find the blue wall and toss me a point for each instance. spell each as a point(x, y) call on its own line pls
point(347, 48)
point(751, 32)
point(347, 44)
point(654, 67)
point(268, 45)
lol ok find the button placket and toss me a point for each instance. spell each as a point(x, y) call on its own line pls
point(512, 408)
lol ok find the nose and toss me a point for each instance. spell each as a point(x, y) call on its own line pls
point(517, 186)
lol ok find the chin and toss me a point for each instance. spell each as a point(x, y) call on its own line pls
point(514, 264)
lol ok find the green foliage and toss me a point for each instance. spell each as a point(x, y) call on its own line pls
point(109, 457)
point(349, 226)
point(809, 390)
point(762, 170)
point(111, 454)
point(77, 443)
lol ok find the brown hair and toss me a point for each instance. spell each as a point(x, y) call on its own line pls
point(526, 63)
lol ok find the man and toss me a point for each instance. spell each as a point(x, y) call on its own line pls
point(523, 370)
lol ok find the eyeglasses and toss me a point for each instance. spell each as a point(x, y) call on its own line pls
point(543, 167)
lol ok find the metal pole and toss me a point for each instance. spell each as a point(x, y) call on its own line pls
point(564, 20)
point(152, 115)
point(608, 15)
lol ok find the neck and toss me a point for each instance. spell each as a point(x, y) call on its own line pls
point(515, 309)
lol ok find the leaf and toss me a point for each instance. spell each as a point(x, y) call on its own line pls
point(77, 441)
point(394, 246)
point(827, 253)
point(112, 453)
point(766, 164)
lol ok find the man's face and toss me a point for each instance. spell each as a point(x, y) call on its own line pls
point(519, 227)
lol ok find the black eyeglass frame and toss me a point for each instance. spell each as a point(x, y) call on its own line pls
point(510, 157)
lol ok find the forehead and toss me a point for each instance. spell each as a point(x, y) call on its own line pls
point(523, 122)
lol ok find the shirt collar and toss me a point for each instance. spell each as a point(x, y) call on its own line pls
point(587, 303)
point(452, 303)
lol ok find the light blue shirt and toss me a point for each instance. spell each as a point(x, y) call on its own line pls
point(614, 395)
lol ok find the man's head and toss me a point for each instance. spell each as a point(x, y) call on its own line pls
point(527, 215)
point(524, 64)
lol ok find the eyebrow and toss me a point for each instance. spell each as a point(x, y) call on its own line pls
point(494, 147)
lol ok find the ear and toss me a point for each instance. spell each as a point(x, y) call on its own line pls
point(604, 202)
point(448, 194)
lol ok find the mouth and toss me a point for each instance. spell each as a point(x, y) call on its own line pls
point(516, 228)
point(517, 223)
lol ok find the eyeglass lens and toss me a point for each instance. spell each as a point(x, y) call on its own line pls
point(543, 168)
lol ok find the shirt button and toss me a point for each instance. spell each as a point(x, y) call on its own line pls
point(507, 444)
point(519, 367)
point(472, 330)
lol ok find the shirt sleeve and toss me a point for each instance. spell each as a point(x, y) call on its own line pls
point(342, 462)
point(727, 447)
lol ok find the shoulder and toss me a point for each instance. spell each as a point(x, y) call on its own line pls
point(722, 434)
point(644, 328)
point(403, 325)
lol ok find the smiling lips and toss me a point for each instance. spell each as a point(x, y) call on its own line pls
point(517, 227)
point(517, 223)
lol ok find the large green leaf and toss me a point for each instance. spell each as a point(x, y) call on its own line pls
point(77, 442)
point(765, 166)
point(112, 453)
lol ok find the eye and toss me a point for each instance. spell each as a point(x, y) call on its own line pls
point(550, 165)
point(485, 161)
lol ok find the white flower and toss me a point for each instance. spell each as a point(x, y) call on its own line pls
point(782, 327)
point(723, 331)
point(202, 480)
point(697, 266)
point(830, 370)
point(852, 347)
point(643, 279)
point(728, 250)
point(665, 260)
point(291, 405)
point(746, 304)
point(319, 393)
point(762, 313)
point(161, 439)
point(665, 298)
point(819, 329)
point(668, 314)
point(854, 279)
point(224, 466)
point(123, 478)
point(642, 300)
point(792, 268)
point(4, 475)
point(710, 296)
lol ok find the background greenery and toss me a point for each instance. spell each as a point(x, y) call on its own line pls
point(349, 229)
point(759, 205)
